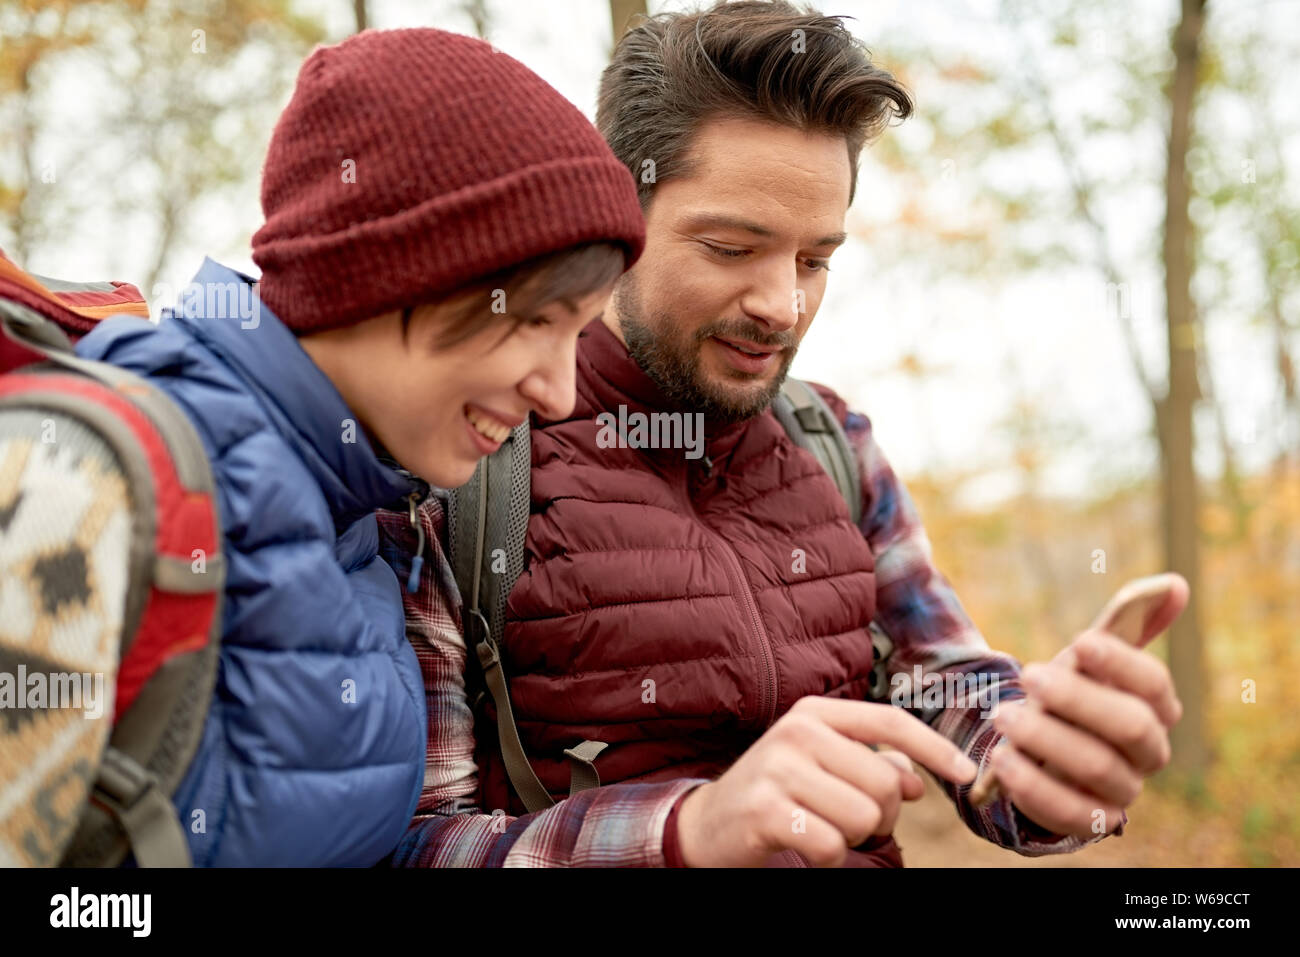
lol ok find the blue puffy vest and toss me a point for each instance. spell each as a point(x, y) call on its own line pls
point(314, 746)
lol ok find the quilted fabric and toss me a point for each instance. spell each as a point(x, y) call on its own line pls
point(313, 750)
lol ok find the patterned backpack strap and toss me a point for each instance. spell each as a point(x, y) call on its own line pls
point(110, 581)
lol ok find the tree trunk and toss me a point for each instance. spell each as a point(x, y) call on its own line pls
point(477, 12)
point(621, 13)
point(1191, 755)
point(359, 12)
point(1289, 453)
point(25, 226)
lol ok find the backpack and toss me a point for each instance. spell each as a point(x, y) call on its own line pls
point(111, 581)
point(488, 522)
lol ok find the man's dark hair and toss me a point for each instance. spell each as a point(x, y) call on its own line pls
point(754, 59)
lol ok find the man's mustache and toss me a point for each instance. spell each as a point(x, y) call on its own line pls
point(749, 332)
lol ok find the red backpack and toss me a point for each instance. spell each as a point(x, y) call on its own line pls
point(111, 579)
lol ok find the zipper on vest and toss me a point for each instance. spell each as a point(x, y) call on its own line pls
point(767, 706)
point(417, 560)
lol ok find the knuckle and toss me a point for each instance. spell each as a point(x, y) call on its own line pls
point(1137, 731)
point(1155, 758)
point(1093, 643)
point(1064, 680)
point(1024, 729)
point(762, 799)
point(893, 720)
point(753, 837)
point(768, 812)
point(1132, 738)
point(806, 705)
point(1047, 692)
point(1134, 789)
point(1098, 766)
point(1079, 813)
point(1166, 753)
point(1112, 644)
point(779, 765)
point(794, 727)
point(825, 848)
point(889, 775)
point(865, 820)
point(1161, 685)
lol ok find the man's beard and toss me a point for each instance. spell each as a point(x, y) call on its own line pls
point(672, 358)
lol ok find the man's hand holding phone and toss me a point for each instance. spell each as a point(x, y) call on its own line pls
point(1096, 718)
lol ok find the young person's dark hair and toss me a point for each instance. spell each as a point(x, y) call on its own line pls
point(566, 276)
point(754, 59)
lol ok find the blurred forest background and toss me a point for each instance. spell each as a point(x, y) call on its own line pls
point(1070, 305)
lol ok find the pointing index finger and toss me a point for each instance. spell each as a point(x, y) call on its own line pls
point(874, 723)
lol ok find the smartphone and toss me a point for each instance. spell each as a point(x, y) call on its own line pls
point(1143, 608)
point(1139, 611)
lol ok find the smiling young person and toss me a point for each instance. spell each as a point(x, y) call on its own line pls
point(660, 611)
point(440, 225)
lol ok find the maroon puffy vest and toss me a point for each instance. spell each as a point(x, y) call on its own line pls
point(673, 607)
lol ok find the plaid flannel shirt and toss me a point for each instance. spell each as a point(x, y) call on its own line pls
point(623, 824)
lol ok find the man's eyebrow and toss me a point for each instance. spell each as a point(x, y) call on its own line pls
point(723, 221)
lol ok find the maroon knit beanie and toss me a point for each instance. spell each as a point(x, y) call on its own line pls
point(411, 162)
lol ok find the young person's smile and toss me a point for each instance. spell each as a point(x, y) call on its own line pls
point(488, 429)
point(439, 409)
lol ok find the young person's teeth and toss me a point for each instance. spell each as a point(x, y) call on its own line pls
point(493, 430)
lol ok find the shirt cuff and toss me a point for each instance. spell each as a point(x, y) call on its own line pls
point(1035, 840)
point(672, 847)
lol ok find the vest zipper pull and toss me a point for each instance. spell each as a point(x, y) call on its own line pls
point(417, 561)
point(708, 466)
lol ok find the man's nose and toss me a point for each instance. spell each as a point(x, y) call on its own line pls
point(774, 297)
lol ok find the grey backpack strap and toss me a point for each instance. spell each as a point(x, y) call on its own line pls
point(487, 527)
point(136, 801)
point(808, 420)
point(487, 524)
point(29, 328)
point(883, 646)
point(582, 765)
